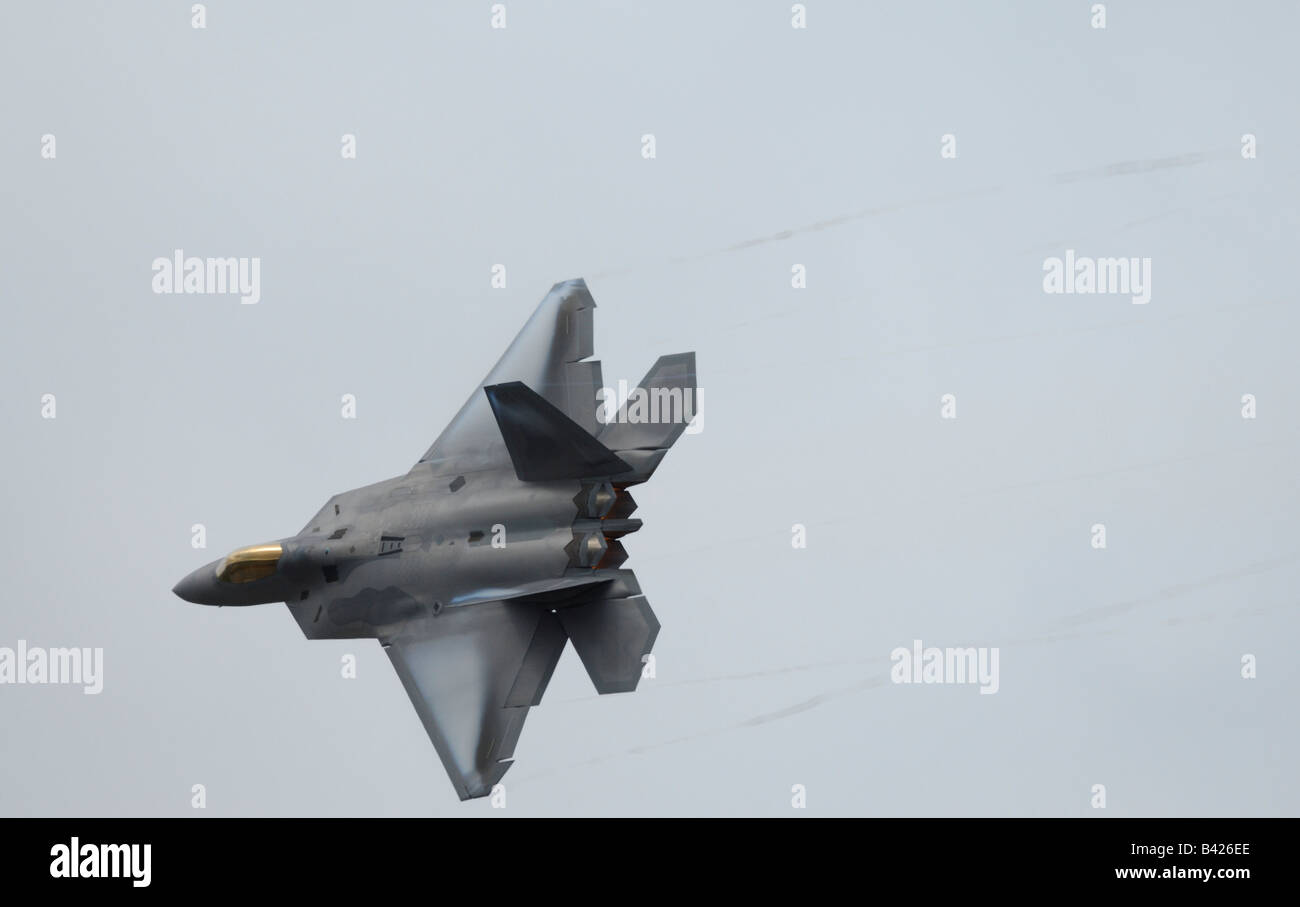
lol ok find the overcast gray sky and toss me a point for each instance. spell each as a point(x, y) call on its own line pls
point(775, 146)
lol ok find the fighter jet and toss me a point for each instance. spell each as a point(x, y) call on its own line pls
point(499, 545)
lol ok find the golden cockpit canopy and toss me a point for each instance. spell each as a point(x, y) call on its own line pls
point(248, 564)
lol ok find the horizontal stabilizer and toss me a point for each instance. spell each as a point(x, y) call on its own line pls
point(658, 410)
point(543, 442)
point(612, 637)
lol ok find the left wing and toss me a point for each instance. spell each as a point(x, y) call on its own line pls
point(472, 681)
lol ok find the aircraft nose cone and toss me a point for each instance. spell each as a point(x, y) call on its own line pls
point(191, 588)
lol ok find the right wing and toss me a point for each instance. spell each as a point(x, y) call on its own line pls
point(547, 356)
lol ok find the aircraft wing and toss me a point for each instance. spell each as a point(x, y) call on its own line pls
point(547, 356)
point(472, 681)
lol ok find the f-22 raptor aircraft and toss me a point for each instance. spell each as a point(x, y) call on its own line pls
point(500, 544)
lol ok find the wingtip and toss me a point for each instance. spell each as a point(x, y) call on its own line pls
point(574, 283)
point(482, 784)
